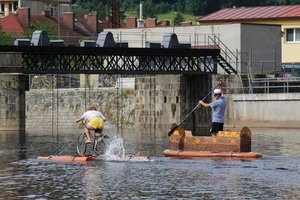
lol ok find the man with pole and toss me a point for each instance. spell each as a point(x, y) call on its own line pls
point(218, 107)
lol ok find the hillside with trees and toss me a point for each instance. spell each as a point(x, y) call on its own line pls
point(153, 8)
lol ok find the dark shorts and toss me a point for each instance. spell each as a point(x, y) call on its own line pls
point(216, 127)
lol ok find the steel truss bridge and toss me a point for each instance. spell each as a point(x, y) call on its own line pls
point(101, 60)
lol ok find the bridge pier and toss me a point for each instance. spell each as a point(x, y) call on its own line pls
point(12, 102)
point(165, 99)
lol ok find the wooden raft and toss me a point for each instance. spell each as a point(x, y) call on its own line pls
point(225, 144)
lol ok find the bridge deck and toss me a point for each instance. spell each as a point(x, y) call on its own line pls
point(95, 60)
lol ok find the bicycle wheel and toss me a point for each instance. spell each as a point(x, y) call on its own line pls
point(81, 146)
point(101, 146)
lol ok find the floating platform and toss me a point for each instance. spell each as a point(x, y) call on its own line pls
point(67, 158)
point(206, 154)
point(90, 158)
point(235, 144)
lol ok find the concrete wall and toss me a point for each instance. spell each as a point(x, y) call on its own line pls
point(196, 35)
point(263, 44)
point(264, 110)
point(256, 44)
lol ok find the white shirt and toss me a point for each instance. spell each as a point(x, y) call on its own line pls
point(88, 115)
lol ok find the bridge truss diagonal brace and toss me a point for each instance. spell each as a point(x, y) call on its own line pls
point(116, 64)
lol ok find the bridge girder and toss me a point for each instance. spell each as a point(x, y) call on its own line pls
point(96, 60)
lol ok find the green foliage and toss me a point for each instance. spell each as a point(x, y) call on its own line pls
point(170, 16)
point(154, 7)
point(178, 18)
point(149, 10)
point(48, 26)
point(260, 76)
point(5, 39)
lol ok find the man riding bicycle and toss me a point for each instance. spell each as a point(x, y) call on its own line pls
point(93, 119)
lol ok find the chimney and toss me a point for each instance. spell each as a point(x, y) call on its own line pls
point(130, 22)
point(68, 19)
point(92, 22)
point(150, 23)
point(24, 16)
point(141, 21)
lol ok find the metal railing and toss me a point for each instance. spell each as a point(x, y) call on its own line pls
point(265, 85)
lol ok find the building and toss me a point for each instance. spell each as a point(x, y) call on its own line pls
point(53, 7)
point(237, 41)
point(71, 30)
point(7, 7)
point(288, 17)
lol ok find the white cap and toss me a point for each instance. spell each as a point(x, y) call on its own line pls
point(217, 91)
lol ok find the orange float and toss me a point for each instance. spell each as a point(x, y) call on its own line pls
point(67, 158)
point(205, 154)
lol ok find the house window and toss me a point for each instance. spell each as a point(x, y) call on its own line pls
point(15, 6)
point(1, 7)
point(293, 35)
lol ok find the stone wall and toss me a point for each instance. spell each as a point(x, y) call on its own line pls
point(166, 99)
point(12, 102)
point(48, 109)
point(155, 103)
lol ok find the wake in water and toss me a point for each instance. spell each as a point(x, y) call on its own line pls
point(115, 150)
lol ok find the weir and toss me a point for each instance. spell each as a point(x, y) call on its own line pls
point(160, 101)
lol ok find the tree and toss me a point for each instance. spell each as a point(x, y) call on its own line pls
point(178, 18)
point(148, 9)
point(46, 25)
point(5, 39)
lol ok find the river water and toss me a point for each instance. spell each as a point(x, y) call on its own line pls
point(23, 176)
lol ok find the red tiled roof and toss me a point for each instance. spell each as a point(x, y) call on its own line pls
point(253, 13)
point(10, 24)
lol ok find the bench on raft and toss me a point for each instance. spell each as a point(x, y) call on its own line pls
point(225, 144)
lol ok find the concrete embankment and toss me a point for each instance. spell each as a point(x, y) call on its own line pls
point(279, 110)
point(44, 109)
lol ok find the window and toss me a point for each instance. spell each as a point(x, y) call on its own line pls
point(1, 7)
point(293, 35)
point(15, 6)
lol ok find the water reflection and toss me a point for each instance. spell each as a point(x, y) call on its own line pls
point(275, 176)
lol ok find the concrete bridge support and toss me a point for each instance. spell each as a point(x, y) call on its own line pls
point(12, 102)
point(165, 99)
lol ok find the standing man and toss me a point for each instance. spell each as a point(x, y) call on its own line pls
point(218, 106)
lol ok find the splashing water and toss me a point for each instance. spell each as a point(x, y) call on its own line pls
point(115, 149)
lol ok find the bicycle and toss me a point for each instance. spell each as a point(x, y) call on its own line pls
point(99, 142)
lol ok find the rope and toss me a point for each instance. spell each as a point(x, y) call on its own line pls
point(52, 113)
point(57, 136)
point(74, 139)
